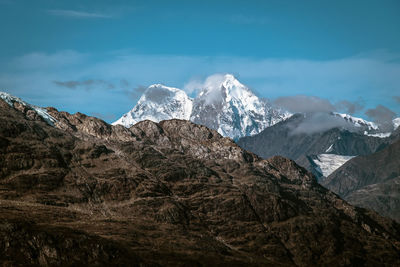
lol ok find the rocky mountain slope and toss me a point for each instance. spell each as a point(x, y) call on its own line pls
point(171, 193)
point(371, 181)
point(223, 104)
point(315, 149)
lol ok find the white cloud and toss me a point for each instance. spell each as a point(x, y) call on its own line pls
point(304, 104)
point(42, 61)
point(78, 14)
point(193, 86)
point(375, 79)
point(196, 84)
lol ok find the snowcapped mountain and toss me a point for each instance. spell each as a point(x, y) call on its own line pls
point(229, 107)
point(159, 103)
point(223, 104)
point(367, 127)
point(232, 109)
point(358, 122)
point(12, 100)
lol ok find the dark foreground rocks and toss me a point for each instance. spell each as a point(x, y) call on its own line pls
point(172, 194)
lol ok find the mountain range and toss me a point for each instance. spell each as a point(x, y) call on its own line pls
point(75, 190)
point(361, 167)
point(232, 109)
point(318, 147)
point(320, 141)
point(223, 104)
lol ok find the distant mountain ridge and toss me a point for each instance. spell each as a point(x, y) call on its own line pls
point(318, 149)
point(229, 107)
point(223, 104)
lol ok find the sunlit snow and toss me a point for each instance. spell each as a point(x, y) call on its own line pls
point(328, 163)
point(40, 111)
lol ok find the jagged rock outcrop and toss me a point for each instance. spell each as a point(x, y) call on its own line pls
point(171, 193)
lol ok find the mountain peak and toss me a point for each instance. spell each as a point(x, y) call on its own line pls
point(226, 84)
point(224, 104)
point(159, 102)
point(160, 85)
point(230, 80)
point(231, 108)
point(159, 93)
point(358, 122)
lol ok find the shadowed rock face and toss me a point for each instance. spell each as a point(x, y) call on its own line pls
point(169, 193)
point(280, 139)
point(371, 181)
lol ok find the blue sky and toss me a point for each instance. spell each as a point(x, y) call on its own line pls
point(89, 56)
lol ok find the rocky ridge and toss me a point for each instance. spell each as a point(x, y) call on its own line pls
point(171, 193)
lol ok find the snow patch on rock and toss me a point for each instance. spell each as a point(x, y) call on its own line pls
point(10, 99)
point(328, 163)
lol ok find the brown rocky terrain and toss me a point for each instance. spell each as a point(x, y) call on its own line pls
point(173, 194)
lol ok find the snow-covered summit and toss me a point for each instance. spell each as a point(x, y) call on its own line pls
point(358, 122)
point(10, 99)
point(159, 102)
point(223, 104)
point(367, 127)
point(233, 109)
point(227, 88)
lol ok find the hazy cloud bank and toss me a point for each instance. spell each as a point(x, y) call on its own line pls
point(349, 107)
point(320, 122)
point(78, 14)
point(382, 116)
point(304, 104)
point(318, 113)
point(87, 84)
point(32, 76)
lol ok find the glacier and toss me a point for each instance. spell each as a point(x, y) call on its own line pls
point(328, 163)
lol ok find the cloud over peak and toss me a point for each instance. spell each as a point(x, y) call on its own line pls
point(349, 107)
point(382, 115)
